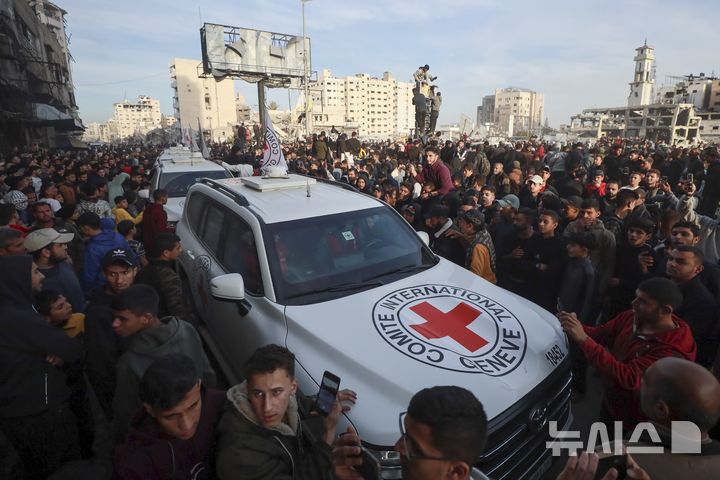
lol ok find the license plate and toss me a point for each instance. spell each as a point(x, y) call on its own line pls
point(542, 469)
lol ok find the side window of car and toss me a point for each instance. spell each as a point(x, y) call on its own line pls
point(212, 233)
point(240, 255)
point(195, 206)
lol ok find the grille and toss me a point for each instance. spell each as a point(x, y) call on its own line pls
point(516, 443)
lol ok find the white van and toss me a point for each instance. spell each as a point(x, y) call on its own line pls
point(343, 281)
point(175, 170)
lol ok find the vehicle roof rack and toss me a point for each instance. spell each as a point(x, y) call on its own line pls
point(238, 197)
point(334, 183)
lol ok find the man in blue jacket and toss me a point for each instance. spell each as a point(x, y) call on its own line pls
point(102, 238)
point(34, 396)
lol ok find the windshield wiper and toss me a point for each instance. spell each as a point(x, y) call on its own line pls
point(405, 269)
point(343, 287)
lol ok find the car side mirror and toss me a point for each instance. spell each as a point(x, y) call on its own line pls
point(230, 288)
point(424, 237)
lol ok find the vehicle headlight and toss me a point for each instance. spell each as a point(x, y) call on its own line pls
point(389, 463)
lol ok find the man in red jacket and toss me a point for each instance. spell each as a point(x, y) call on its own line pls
point(154, 219)
point(623, 348)
point(435, 171)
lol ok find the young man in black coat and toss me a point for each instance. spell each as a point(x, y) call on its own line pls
point(34, 396)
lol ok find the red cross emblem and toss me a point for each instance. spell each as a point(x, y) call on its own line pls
point(452, 324)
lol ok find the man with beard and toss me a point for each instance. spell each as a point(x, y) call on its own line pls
point(488, 206)
point(514, 256)
point(609, 201)
point(499, 179)
point(50, 252)
point(44, 218)
point(444, 235)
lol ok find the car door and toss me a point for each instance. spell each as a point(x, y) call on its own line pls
point(230, 245)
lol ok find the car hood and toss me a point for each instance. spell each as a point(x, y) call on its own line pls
point(444, 326)
point(174, 208)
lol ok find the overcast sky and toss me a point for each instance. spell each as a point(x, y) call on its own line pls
point(578, 53)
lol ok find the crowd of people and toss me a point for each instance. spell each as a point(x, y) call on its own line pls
point(100, 359)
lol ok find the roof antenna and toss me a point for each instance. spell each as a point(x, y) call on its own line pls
point(308, 187)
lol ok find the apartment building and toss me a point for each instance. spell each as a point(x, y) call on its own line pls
point(203, 100)
point(137, 118)
point(376, 107)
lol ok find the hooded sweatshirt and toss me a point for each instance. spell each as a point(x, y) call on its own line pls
point(170, 335)
point(115, 188)
point(108, 239)
point(621, 355)
point(248, 451)
point(150, 454)
point(29, 385)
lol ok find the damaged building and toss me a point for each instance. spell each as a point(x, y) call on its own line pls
point(679, 114)
point(37, 98)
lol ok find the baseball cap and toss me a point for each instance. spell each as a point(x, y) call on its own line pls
point(475, 218)
point(119, 255)
point(509, 201)
point(536, 179)
point(43, 237)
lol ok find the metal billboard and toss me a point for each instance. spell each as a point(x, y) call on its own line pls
point(253, 54)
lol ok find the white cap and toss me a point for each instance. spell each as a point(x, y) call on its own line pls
point(43, 237)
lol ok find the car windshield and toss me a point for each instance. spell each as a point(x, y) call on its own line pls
point(177, 184)
point(318, 259)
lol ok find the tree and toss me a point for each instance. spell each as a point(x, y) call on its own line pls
point(273, 105)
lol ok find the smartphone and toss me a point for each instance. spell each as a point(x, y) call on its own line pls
point(370, 468)
point(664, 179)
point(328, 393)
point(689, 177)
point(618, 462)
point(646, 250)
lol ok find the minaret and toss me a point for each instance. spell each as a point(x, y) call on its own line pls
point(644, 79)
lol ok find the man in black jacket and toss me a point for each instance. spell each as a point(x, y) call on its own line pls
point(102, 345)
point(161, 274)
point(699, 309)
point(444, 235)
point(34, 396)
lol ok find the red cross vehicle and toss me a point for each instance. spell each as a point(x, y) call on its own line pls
point(342, 280)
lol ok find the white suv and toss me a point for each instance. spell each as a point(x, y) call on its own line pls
point(175, 170)
point(344, 282)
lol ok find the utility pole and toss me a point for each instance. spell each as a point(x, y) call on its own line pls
point(306, 77)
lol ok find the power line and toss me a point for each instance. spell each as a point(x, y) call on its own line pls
point(120, 81)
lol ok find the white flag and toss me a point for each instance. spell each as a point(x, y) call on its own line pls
point(273, 155)
point(203, 146)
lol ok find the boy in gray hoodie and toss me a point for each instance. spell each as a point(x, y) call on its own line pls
point(148, 338)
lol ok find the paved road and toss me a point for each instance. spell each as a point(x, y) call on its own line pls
point(585, 412)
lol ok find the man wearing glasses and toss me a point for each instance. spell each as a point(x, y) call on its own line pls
point(442, 435)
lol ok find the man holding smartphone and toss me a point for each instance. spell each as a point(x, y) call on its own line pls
point(260, 433)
